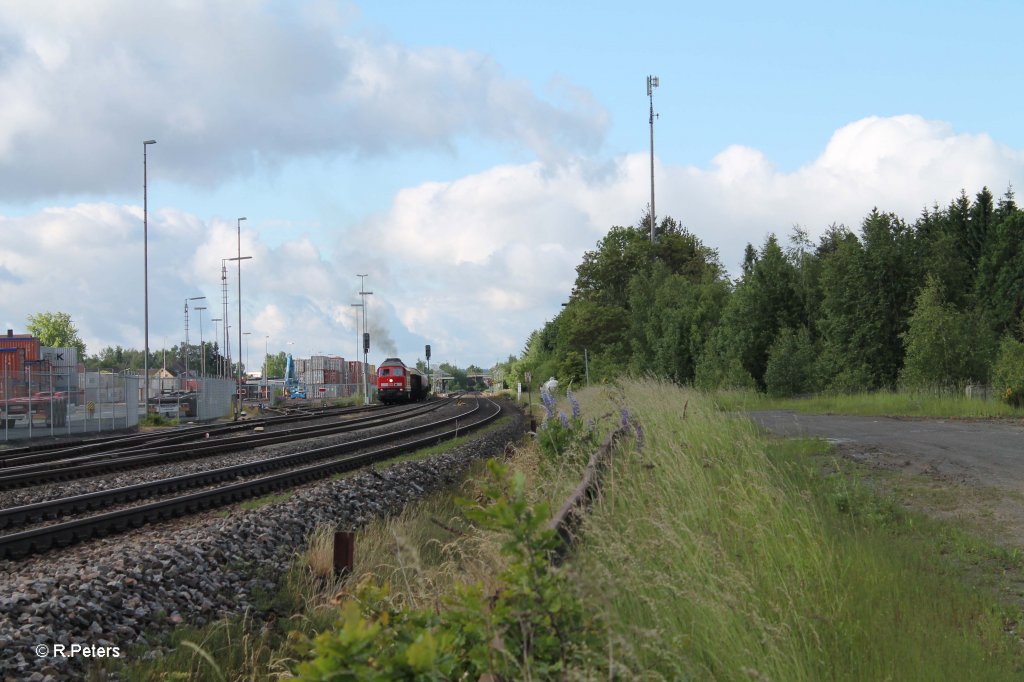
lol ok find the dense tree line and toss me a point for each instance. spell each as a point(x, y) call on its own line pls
point(933, 303)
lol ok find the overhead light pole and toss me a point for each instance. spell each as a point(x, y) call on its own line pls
point(216, 333)
point(239, 259)
point(266, 362)
point(247, 350)
point(652, 82)
point(357, 305)
point(194, 298)
point(202, 344)
point(145, 271)
point(366, 338)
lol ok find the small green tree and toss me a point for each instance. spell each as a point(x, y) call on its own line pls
point(56, 330)
point(944, 346)
point(1008, 371)
point(791, 361)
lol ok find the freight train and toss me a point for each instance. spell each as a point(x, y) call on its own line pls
point(397, 383)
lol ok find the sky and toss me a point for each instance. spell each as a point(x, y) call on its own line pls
point(462, 156)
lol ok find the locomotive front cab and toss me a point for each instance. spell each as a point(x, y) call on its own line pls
point(391, 383)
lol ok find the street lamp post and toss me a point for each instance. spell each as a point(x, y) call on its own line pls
point(266, 359)
point(239, 259)
point(366, 338)
point(145, 268)
point(194, 298)
point(202, 344)
point(226, 365)
point(216, 334)
point(356, 305)
point(246, 351)
point(652, 82)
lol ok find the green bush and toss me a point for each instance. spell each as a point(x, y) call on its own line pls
point(1008, 372)
point(156, 419)
point(534, 627)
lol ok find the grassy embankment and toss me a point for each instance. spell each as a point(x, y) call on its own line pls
point(938, 403)
point(715, 553)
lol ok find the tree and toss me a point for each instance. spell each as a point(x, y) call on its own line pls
point(1000, 279)
point(944, 346)
point(56, 330)
point(275, 365)
point(764, 302)
point(791, 361)
point(868, 290)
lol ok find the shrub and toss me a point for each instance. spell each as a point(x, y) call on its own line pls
point(533, 627)
point(1008, 372)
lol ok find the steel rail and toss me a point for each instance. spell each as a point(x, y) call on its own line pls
point(51, 509)
point(17, 545)
point(31, 475)
point(16, 456)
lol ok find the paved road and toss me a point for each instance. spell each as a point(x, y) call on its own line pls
point(990, 452)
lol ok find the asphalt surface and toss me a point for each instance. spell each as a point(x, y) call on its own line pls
point(986, 452)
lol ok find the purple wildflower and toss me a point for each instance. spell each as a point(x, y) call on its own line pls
point(625, 416)
point(549, 404)
point(639, 436)
point(575, 404)
point(565, 420)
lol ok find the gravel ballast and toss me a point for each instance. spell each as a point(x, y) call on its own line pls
point(128, 590)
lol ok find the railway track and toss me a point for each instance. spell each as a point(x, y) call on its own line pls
point(67, 449)
point(31, 472)
point(303, 467)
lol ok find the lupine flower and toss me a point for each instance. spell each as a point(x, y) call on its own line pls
point(565, 420)
point(625, 416)
point(575, 404)
point(549, 404)
point(639, 436)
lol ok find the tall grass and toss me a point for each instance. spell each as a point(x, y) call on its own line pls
point(922, 403)
point(717, 555)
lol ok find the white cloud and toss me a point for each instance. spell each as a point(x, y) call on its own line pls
point(471, 266)
point(226, 87)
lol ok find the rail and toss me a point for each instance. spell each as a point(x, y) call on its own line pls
point(568, 517)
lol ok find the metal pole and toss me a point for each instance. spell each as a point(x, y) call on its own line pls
point(355, 381)
point(202, 344)
point(145, 262)
point(238, 412)
point(247, 342)
point(51, 399)
point(266, 358)
point(186, 341)
point(652, 82)
point(187, 347)
point(216, 333)
point(29, 400)
point(364, 294)
point(226, 362)
point(7, 399)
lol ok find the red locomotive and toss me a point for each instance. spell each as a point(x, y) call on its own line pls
point(397, 383)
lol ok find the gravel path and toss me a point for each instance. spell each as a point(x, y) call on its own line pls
point(131, 588)
point(986, 452)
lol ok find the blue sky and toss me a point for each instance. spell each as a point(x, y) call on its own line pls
point(464, 155)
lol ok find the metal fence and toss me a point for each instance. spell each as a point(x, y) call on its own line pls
point(42, 400)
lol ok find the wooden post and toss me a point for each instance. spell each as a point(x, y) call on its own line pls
point(344, 552)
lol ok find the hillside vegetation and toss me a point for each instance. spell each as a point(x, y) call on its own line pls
point(935, 303)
